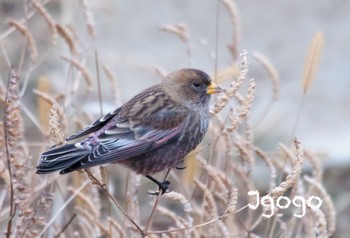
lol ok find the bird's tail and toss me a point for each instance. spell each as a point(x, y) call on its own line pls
point(61, 158)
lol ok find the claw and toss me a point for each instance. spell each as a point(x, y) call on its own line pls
point(179, 167)
point(163, 186)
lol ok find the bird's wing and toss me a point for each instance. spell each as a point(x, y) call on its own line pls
point(121, 141)
point(126, 140)
point(95, 126)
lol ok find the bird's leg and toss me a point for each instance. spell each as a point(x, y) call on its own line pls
point(162, 185)
point(180, 168)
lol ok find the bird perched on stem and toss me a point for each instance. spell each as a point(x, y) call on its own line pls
point(152, 132)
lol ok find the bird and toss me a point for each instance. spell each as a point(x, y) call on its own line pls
point(152, 132)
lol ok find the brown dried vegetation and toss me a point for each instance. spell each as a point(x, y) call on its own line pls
point(211, 203)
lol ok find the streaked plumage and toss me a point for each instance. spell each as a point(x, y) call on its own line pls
point(154, 131)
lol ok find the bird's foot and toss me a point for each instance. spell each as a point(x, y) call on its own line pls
point(163, 186)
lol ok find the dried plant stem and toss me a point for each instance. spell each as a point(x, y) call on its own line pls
point(12, 80)
point(234, 17)
point(50, 22)
point(65, 226)
point(104, 189)
point(294, 175)
point(66, 35)
point(328, 204)
point(271, 70)
point(222, 101)
point(181, 31)
point(26, 18)
point(28, 36)
point(154, 208)
point(90, 23)
point(83, 70)
point(219, 218)
point(270, 165)
point(98, 83)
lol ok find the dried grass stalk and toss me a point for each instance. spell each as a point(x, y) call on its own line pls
point(326, 203)
point(231, 207)
point(90, 23)
point(227, 73)
point(28, 36)
point(160, 72)
point(271, 167)
point(312, 60)
point(50, 22)
point(317, 172)
point(223, 100)
point(209, 206)
point(213, 174)
point(82, 69)
point(181, 31)
point(247, 157)
point(178, 197)
point(235, 118)
point(66, 35)
point(236, 26)
point(94, 226)
point(4, 173)
point(271, 70)
point(17, 158)
point(320, 224)
point(132, 201)
point(294, 175)
point(115, 87)
point(117, 227)
point(179, 223)
point(61, 120)
point(89, 205)
point(104, 175)
point(56, 133)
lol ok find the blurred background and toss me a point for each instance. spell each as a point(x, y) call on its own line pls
point(130, 41)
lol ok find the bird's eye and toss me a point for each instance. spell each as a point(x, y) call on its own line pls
point(196, 85)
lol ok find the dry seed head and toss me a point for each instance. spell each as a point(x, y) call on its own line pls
point(90, 23)
point(54, 126)
point(66, 35)
point(50, 22)
point(209, 206)
point(327, 204)
point(231, 207)
point(223, 100)
point(187, 207)
point(294, 175)
point(271, 70)
point(28, 36)
point(312, 60)
point(236, 27)
point(82, 69)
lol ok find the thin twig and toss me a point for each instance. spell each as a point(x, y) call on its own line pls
point(98, 83)
point(149, 222)
point(104, 189)
point(65, 226)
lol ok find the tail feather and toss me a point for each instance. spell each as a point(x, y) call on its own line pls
point(61, 158)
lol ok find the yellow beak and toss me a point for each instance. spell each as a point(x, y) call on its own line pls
point(213, 88)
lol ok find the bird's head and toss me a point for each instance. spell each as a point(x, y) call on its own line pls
point(190, 87)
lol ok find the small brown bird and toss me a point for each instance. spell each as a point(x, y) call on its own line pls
point(152, 132)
